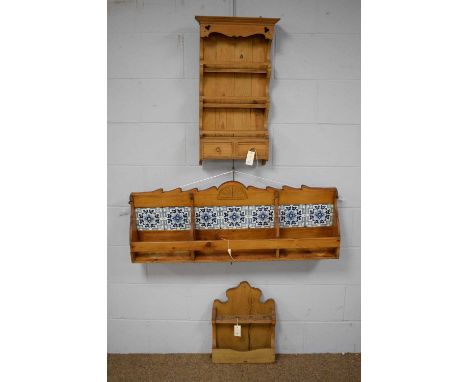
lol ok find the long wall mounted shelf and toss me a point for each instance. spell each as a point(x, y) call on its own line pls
point(234, 223)
point(235, 73)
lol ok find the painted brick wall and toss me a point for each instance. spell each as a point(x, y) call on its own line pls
point(153, 142)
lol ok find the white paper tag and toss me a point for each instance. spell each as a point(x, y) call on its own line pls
point(237, 330)
point(250, 158)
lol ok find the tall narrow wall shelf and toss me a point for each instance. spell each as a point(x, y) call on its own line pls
point(235, 73)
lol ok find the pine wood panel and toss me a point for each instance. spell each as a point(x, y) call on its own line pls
point(234, 78)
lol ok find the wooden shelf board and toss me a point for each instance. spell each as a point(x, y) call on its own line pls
point(235, 70)
point(236, 20)
point(218, 245)
point(185, 257)
point(245, 319)
point(233, 133)
point(239, 100)
point(235, 105)
point(237, 67)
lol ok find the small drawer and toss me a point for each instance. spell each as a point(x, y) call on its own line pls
point(261, 149)
point(217, 149)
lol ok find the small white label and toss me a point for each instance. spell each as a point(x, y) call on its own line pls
point(237, 330)
point(250, 158)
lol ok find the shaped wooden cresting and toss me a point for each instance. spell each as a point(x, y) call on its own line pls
point(256, 344)
point(235, 73)
point(234, 223)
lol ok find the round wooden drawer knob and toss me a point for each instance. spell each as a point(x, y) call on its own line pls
point(218, 149)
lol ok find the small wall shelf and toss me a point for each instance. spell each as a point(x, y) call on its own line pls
point(258, 320)
point(234, 86)
point(255, 224)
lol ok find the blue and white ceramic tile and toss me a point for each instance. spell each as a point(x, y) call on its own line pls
point(206, 218)
point(261, 217)
point(177, 218)
point(149, 219)
point(319, 215)
point(234, 217)
point(291, 215)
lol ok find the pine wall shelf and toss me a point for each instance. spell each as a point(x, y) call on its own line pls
point(233, 222)
point(235, 73)
point(256, 343)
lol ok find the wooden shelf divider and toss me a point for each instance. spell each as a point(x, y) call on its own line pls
point(276, 220)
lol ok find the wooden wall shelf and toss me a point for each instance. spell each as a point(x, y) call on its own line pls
point(255, 224)
point(235, 72)
point(258, 320)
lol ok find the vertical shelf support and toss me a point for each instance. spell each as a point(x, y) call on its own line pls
point(277, 225)
point(214, 344)
point(273, 328)
point(192, 226)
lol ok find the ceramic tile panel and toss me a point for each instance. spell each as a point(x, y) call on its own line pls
point(291, 216)
point(207, 218)
point(261, 217)
point(177, 218)
point(234, 217)
point(319, 215)
point(149, 219)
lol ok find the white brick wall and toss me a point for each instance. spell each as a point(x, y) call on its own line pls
point(153, 142)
